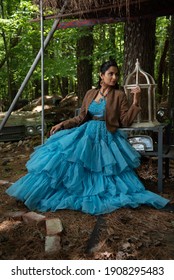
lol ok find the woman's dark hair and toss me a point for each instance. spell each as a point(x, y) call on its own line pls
point(104, 67)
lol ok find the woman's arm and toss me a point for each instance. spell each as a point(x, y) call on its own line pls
point(72, 122)
point(128, 114)
point(136, 95)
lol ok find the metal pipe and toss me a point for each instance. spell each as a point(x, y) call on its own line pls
point(48, 38)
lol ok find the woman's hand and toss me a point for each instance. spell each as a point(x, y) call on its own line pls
point(56, 128)
point(136, 95)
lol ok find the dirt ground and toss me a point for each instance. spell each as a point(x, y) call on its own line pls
point(140, 234)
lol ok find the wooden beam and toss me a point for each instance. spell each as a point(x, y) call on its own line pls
point(92, 11)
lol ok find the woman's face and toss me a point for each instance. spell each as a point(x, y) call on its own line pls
point(110, 77)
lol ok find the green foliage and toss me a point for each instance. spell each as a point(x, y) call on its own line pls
point(15, 41)
point(106, 47)
point(20, 43)
point(162, 28)
point(61, 58)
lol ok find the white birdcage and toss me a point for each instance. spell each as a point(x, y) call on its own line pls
point(147, 116)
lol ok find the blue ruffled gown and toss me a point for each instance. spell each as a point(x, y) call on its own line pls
point(85, 168)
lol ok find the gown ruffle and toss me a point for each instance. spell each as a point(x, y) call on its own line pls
point(86, 168)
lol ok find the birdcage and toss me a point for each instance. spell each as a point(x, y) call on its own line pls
point(147, 116)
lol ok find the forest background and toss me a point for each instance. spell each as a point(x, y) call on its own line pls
point(73, 56)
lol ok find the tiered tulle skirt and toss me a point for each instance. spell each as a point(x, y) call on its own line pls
point(87, 169)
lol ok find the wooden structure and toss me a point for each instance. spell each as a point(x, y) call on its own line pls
point(124, 9)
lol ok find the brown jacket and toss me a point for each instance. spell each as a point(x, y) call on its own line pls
point(118, 114)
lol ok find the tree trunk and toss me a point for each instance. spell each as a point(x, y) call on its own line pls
point(46, 87)
point(162, 71)
point(112, 40)
point(139, 44)
point(64, 86)
point(53, 85)
point(84, 63)
point(37, 87)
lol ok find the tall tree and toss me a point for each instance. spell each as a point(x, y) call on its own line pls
point(84, 62)
point(139, 44)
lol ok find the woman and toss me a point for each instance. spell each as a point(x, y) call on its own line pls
point(87, 163)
